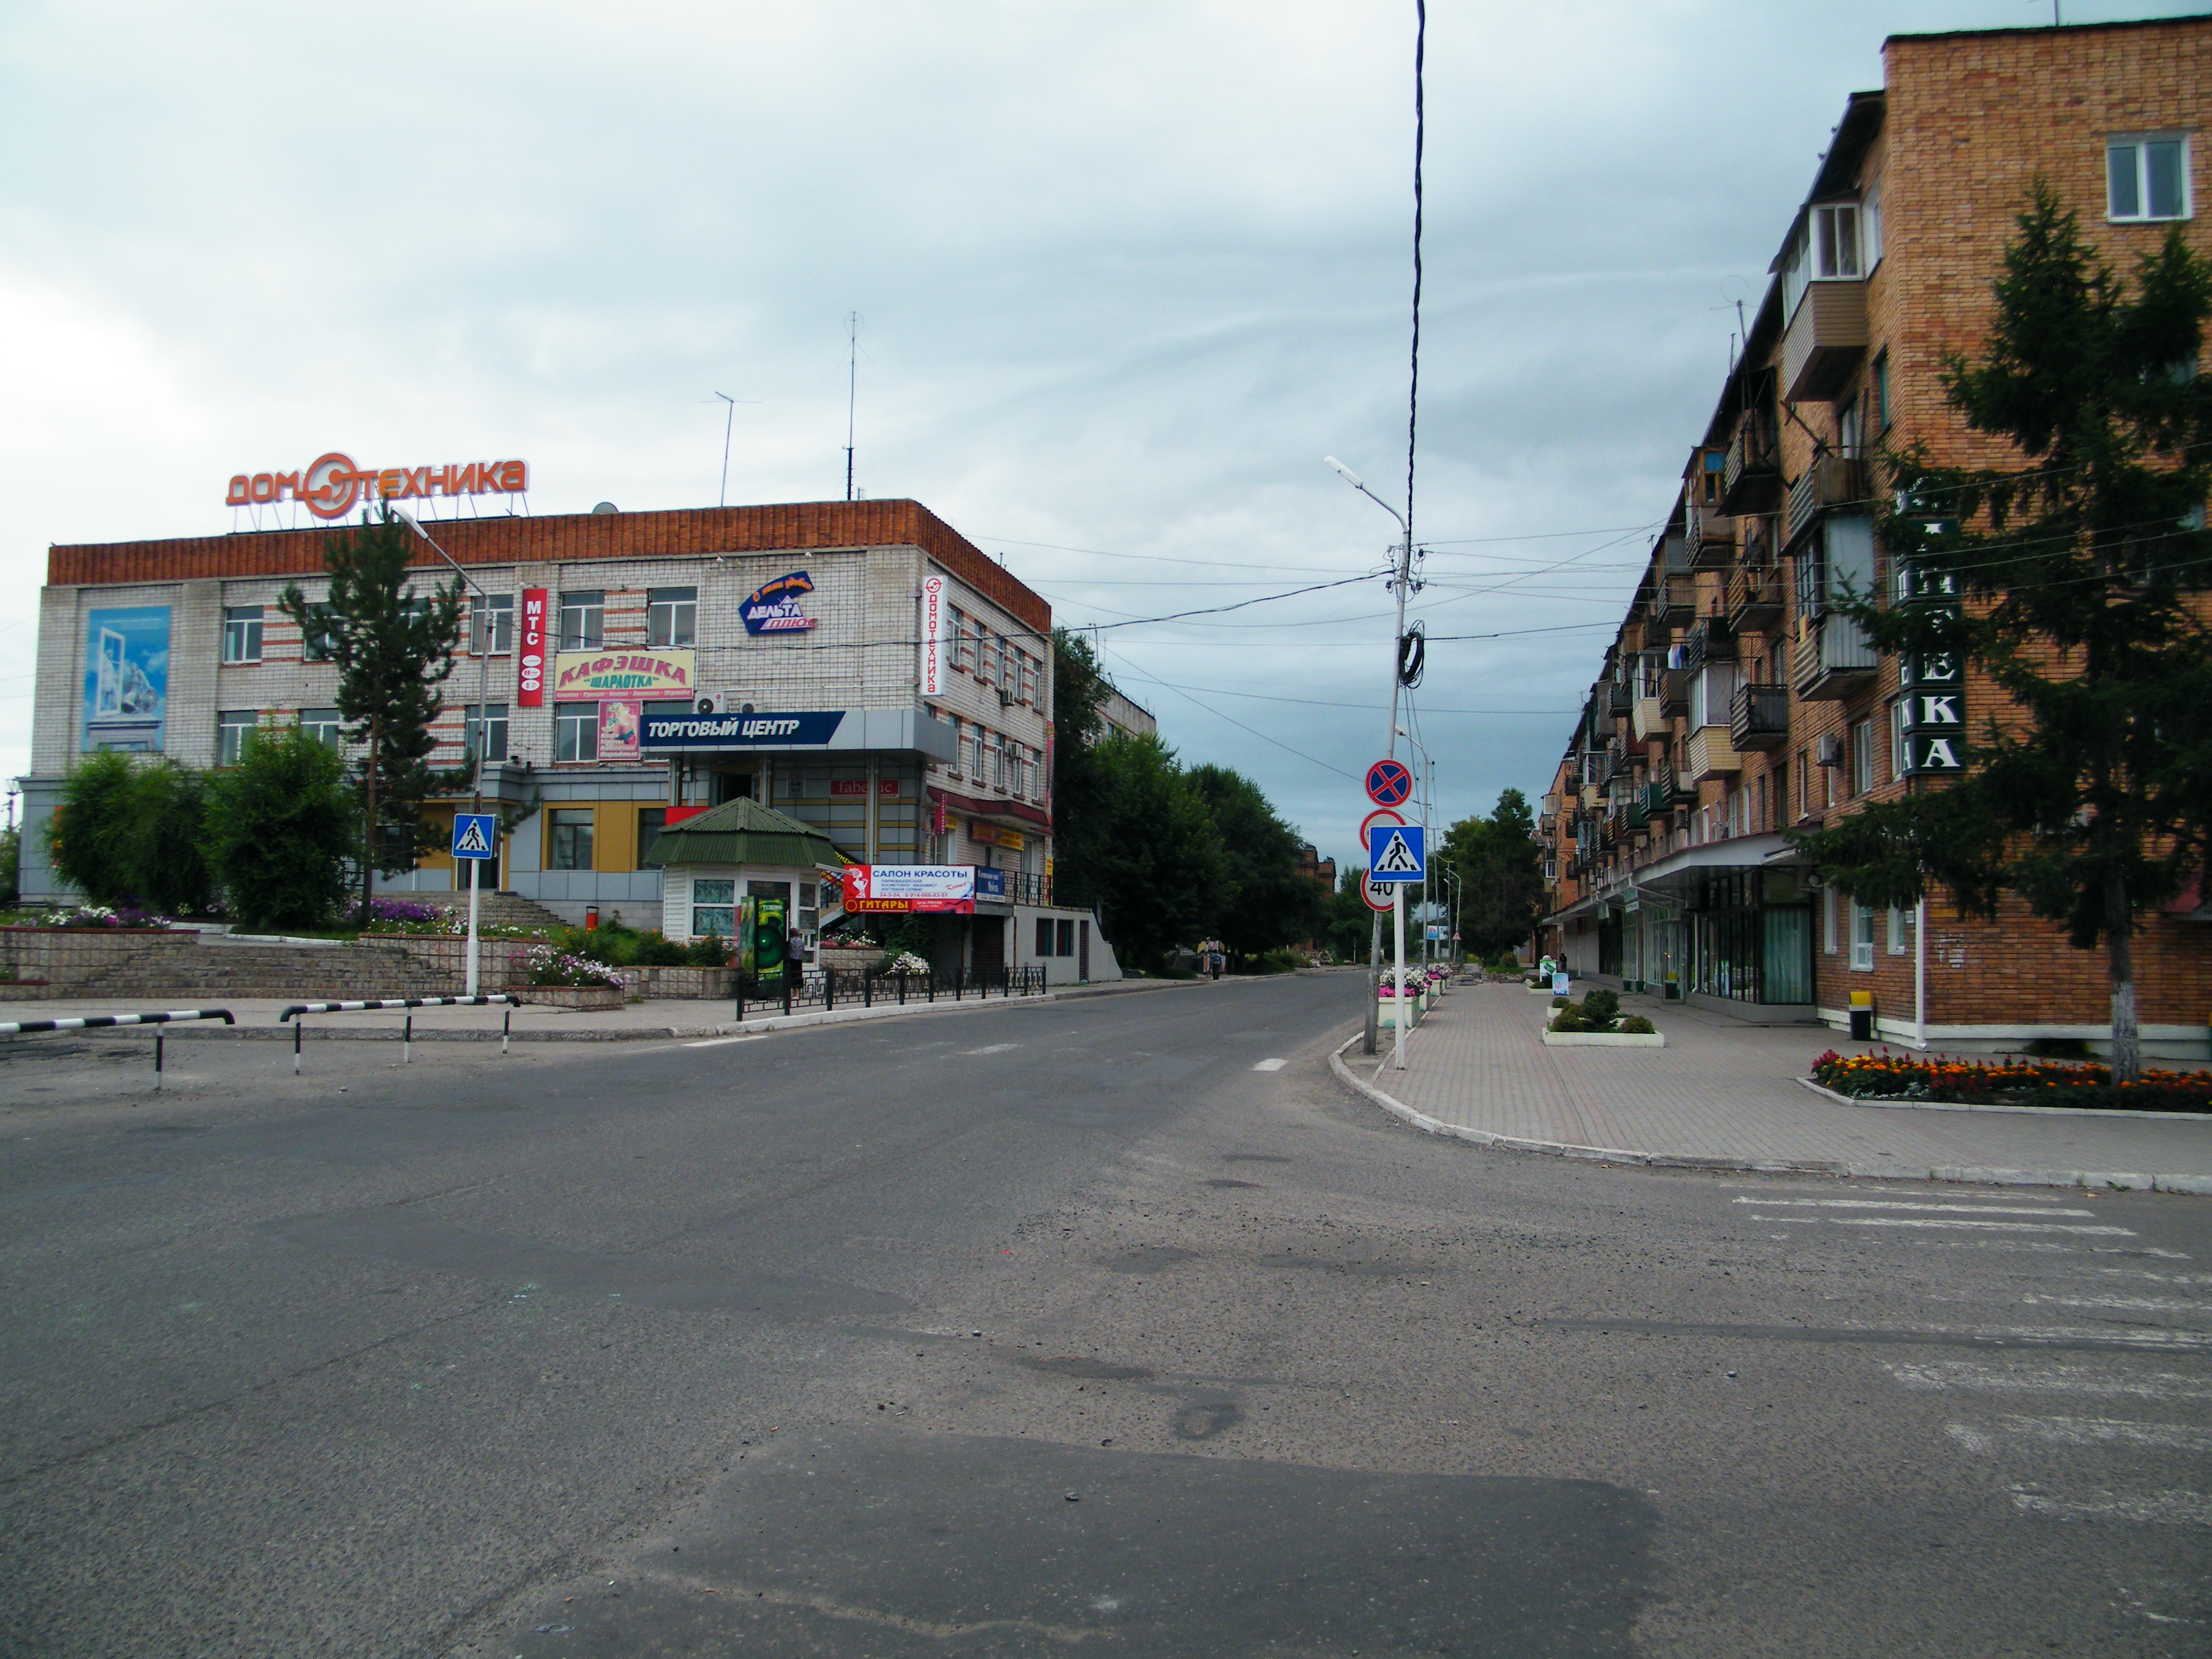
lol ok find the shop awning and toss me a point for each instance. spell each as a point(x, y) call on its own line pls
point(744, 831)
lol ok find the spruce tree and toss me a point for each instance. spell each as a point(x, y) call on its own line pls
point(392, 651)
point(2074, 581)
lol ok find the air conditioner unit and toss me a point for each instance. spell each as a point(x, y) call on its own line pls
point(704, 706)
point(1006, 698)
point(1830, 751)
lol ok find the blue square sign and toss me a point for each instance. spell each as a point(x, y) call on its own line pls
point(1396, 852)
point(476, 834)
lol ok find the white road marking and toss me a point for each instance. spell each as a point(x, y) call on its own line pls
point(1271, 1066)
point(2159, 1507)
point(1997, 1226)
point(1972, 1439)
point(989, 1048)
point(2111, 1431)
point(1970, 1374)
point(1886, 1204)
point(717, 1043)
point(2132, 1303)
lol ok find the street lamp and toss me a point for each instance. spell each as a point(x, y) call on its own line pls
point(480, 609)
point(1391, 751)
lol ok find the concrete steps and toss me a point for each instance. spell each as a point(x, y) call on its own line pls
point(493, 909)
point(217, 971)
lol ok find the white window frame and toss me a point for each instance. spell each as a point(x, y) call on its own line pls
point(714, 897)
point(242, 626)
point(231, 728)
point(1900, 930)
point(1828, 921)
point(1861, 938)
point(671, 623)
point(1863, 757)
point(325, 726)
point(2137, 146)
point(589, 605)
point(492, 615)
point(1896, 740)
point(582, 719)
point(473, 716)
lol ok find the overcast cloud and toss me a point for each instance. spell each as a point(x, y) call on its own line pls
point(1127, 271)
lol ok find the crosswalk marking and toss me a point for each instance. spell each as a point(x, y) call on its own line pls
point(1270, 1065)
point(2159, 1507)
point(1894, 1204)
point(2109, 1432)
point(1977, 1376)
point(2125, 1303)
point(1934, 1222)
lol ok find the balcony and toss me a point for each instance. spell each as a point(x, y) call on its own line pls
point(1658, 797)
point(1832, 481)
point(1651, 720)
point(1711, 754)
point(1833, 661)
point(1755, 600)
point(1751, 478)
point(1710, 641)
point(1824, 341)
point(1674, 601)
point(1758, 717)
point(1675, 692)
point(1710, 535)
point(1618, 698)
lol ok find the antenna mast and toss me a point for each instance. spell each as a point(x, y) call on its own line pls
point(852, 389)
point(722, 498)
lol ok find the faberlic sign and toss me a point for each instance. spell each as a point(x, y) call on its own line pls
point(331, 486)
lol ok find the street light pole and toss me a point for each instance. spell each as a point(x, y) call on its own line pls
point(477, 636)
point(1399, 584)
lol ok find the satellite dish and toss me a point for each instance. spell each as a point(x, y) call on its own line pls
point(606, 507)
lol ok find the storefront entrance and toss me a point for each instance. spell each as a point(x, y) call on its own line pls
point(989, 951)
point(1751, 938)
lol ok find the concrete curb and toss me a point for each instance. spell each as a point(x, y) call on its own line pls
point(2111, 1181)
point(1841, 1099)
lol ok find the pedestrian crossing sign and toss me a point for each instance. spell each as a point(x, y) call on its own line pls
point(476, 834)
point(1396, 852)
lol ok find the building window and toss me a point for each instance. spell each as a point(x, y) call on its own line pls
point(1851, 431)
point(1901, 930)
point(1028, 680)
point(672, 616)
point(1863, 757)
point(714, 907)
point(2147, 177)
point(575, 732)
point(1870, 228)
point(1862, 937)
point(1828, 920)
point(231, 727)
point(1878, 389)
point(1044, 936)
point(315, 634)
point(324, 725)
point(570, 829)
point(1066, 937)
point(485, 724)
point(959, 632)
point(1804, 799)
point(583, 617)
point(810, 913)
point(1896, 741)
point(241, 633)
point(491, 624)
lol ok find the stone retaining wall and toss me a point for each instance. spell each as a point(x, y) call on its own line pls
point(68, 957)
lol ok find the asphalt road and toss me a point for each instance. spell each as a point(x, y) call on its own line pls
point(1056, 1329)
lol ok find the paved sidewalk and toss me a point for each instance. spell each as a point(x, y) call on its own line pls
point(657, 1019)
point(1725, 1095)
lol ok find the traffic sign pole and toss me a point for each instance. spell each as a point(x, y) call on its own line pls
point(475, 867)
point(1398, 1014)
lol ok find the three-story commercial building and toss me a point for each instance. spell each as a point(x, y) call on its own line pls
point(1735, 703)
point(859, 665)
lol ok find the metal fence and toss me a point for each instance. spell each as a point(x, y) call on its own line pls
point(830, 988)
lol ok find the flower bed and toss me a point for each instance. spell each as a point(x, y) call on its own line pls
point(545, 966)
point(2007, 1082)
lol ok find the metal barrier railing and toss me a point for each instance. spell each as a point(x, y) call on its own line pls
point(97, 1021)
point(296, 1016)
point(829, 988)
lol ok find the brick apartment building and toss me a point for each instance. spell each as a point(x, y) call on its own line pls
point(859, 665)
point(1733, 705)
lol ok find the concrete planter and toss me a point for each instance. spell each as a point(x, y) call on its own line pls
point(1604, 1040)
point(584, 998)
point(1386, 1013)
point(684, 984)
point(846, 959)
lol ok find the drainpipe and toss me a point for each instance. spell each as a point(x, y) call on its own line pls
point(1920, 972)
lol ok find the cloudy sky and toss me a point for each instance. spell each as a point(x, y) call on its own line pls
point(1126, 271)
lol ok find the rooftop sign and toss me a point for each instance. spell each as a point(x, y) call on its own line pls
point(332, 484)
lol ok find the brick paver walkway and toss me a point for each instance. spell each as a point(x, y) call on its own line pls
point(1726, 1093)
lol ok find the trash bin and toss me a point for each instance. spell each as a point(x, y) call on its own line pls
point(1863, 1016)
